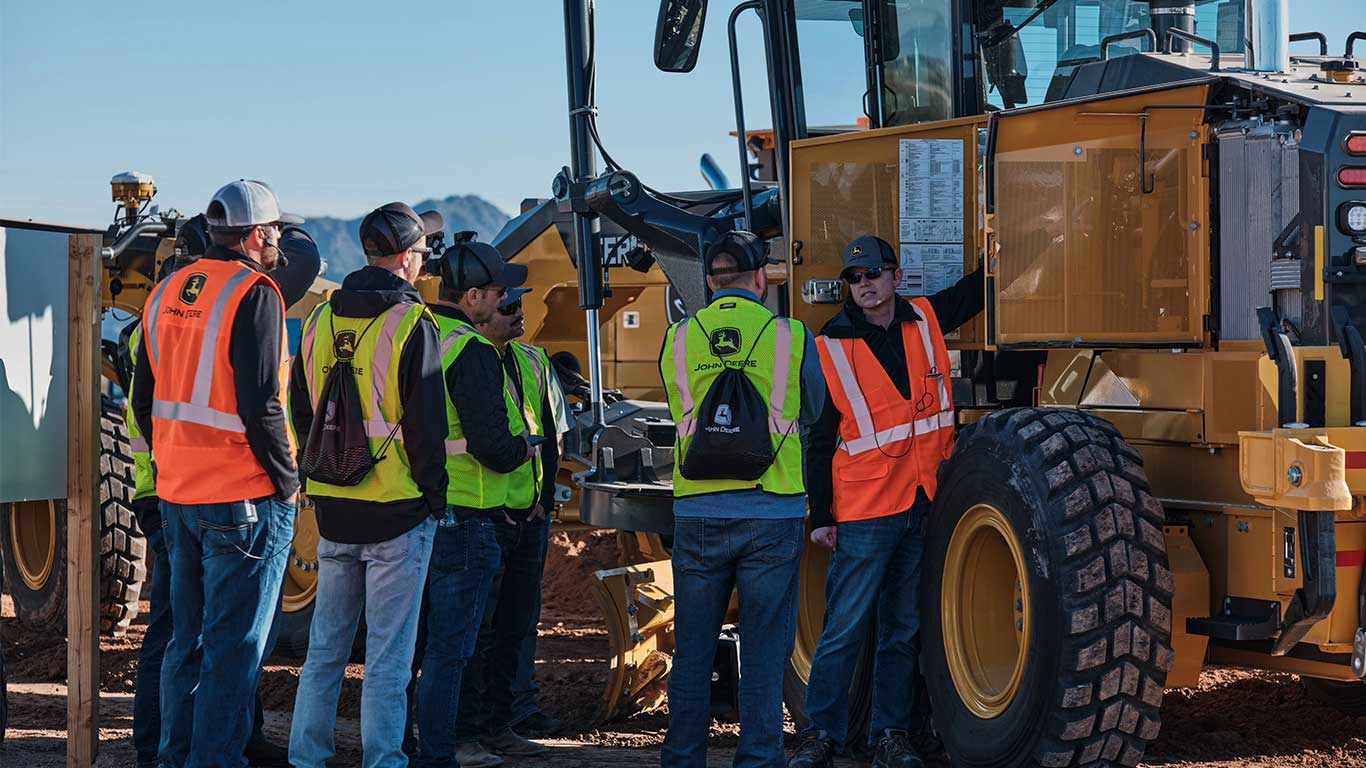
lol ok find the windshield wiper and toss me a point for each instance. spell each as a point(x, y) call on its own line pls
point(1005, 29)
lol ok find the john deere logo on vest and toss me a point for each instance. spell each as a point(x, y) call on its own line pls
point(194, 284)
point(344, 345)
point(725, 341)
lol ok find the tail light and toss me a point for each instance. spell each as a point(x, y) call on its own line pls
point(1352, 177)
point(1352, 218)
point(1356, 143)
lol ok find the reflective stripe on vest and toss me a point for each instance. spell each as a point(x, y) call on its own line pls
point(869, 438)
point(472, 485)
point(375, 427)
point(689, 366)
point(777, 396)
point(200, 440)
point(891, 442)
point(376, 346)
point(144, 482)
point(197, 410)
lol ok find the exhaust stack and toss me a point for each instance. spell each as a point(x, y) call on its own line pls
point(1171, 14)
point(1269, 24)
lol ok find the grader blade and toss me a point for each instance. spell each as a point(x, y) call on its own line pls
point(638, 609)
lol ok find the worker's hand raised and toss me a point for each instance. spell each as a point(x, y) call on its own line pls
point(825, 536)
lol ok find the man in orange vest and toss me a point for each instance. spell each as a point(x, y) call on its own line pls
point(207, 395)
point(872, 463)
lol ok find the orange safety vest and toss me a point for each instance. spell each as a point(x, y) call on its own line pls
point(199, 439)
point(890, 447)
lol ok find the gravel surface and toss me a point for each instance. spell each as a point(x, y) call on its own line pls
point(1233, 719)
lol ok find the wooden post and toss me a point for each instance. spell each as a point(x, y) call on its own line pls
point(83, 504)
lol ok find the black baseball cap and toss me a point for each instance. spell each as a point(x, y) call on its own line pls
point(396, 227)
point(749, 251)
point(868, 251)
point(475, 265)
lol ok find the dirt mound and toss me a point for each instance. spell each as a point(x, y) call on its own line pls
point(570, 562)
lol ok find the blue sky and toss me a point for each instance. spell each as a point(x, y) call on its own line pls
point(345, 105)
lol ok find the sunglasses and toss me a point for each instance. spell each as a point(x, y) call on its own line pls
point(511, 309)
point(872, 273)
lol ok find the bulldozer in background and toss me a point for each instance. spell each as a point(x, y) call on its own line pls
point(1161, 456)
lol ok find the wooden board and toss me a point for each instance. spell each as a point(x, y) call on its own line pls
point(82, 507)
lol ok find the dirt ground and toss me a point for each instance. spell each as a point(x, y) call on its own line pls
point(1233, 719)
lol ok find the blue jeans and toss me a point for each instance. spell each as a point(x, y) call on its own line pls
point(510, 617)
point(383, 578)
point(464, 560)
point(711, 557)
point(147, 687)
point(875, 567)
point(524, 688)
point(225, 587)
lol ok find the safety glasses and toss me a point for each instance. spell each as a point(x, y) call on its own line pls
point(511, 309)
point(872, 273)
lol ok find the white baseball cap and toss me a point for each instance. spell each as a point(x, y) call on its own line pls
point(245, 203)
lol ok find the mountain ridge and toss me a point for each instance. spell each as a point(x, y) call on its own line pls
point(339, 238)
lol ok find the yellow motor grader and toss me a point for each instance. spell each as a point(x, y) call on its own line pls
point(1161, 455)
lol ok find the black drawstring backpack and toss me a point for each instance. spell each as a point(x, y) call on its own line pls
point(338, 450)
point(731, 440)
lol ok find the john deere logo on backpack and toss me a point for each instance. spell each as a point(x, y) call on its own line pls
point(722, 416)
point(344, 345)
point(194, 284)
point(725, 342)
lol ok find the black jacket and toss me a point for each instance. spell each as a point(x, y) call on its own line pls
point(474, 383)
point(952, 306)
point(368, 292)
point(254, 349)
point(550, 452)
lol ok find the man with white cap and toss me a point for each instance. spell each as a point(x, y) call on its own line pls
point(208, 396)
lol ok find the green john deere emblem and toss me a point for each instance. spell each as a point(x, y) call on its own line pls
point(344, 345)
point(194, 284)
point(725, 342)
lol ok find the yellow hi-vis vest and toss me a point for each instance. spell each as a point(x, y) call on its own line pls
point(145, 483)
point(533, 366)
point(374, 345)
point(472, 485)
point(737, 329)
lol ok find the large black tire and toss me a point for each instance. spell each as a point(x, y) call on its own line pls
point(41, 602)
point(123, 549)
point(1094, 649)
point(1347, 698)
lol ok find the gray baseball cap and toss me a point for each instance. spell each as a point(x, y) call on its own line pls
point(245, 203)
point(868, 251)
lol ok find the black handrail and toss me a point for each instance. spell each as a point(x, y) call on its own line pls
point(1181, 34)
point(1302, 37)
point(1133, 35)
point(746, 183)
point(1351, 39)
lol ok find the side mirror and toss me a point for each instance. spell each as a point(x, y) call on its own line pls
point(678, 34)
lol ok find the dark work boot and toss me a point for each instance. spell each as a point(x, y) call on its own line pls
point(894, 750)
point(815, 751)
point(263, 754)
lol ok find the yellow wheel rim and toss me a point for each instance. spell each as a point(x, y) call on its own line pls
point(810, 608)
point(301, 572)
point(33, 530)
point(985, 610)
